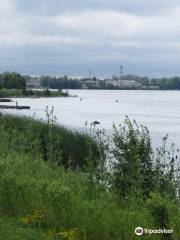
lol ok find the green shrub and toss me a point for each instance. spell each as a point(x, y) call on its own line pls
point(133, 165)
point(162, 210)
point(165, 213)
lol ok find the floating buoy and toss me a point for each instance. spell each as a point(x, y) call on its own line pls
point(95, 123)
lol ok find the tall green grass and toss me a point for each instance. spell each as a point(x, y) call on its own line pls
point(53, 143)
point(38, 197)
point(47, 195)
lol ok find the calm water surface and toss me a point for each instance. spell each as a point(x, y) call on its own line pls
point(158, 110)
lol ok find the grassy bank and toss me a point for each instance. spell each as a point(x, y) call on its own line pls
point(39, 201)
point(50, 187)
point(31, 93)
point(52, 143)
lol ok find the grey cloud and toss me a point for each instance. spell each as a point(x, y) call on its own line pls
point(69, 37)
point(60, 60)
point(56, 7)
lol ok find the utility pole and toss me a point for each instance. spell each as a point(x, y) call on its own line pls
point(121, 72)
point(90, 73)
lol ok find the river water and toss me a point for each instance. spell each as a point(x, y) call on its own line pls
point(158, 110)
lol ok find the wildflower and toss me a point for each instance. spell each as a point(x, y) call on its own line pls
point(33, 218)
point(68, 234)
point(50, 234)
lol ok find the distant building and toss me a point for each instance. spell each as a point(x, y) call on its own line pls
point(33, 83)
point(92, 83)
point(124, 83)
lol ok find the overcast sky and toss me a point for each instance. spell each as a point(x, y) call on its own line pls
point(61, 37)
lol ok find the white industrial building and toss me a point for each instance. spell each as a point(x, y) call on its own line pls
point(124, 83)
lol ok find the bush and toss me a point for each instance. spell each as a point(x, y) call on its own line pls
point(133, 165)
point(165, 213)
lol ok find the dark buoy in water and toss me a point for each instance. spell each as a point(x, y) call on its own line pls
point(95, 123)
point(117, 100)
point(80, 99)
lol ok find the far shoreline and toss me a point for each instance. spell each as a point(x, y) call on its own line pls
point(31, 93)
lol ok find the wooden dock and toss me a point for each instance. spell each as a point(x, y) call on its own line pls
point(5, 100)
point(14, 107)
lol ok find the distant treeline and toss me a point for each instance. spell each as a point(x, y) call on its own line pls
point(12, 81)
point(167, 83)
point(15, 85)
point(60, 83)
point(171, 83)
point(65, 83)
